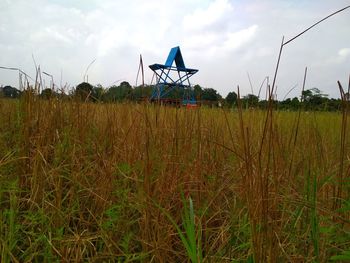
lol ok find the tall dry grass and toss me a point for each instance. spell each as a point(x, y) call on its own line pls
point(127, 182)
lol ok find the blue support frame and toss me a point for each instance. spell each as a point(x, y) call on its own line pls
point(169, 77)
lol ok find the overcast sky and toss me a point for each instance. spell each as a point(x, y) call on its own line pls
point(224, 39)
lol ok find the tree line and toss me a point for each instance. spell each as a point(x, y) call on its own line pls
point(310, 99)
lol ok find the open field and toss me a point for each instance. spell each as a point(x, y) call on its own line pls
point(137, 182)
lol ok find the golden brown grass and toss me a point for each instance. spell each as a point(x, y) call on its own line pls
point(100, 182)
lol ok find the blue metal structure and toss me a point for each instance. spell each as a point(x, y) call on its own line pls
point(170, 77)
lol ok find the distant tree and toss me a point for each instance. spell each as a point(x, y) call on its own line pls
point(289, 104)
point(197, 90)
point(313, 99)
point(47, 93)
point(210, 94)
point(334, 104)
point(119, 93)
point(84, 91)
point(295, 103)
point(142, 92)
point(306, 95)
point(11, 92)
point(285, 104)
point(97, 93)
point(313, 93)
point(125, 85)
point(250, 100)
point(263, 104)
point(231, 98)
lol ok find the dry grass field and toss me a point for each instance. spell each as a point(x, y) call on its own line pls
point(138, 182)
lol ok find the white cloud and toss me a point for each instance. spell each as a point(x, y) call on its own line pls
point(344, 53)
point(202, 18)
point(50, 34)
point(237, 39)
point(106, 40)
point(338, 58)
point(216, 44)
point(202, 41)
point(212, 31)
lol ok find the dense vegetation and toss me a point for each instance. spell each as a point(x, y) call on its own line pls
point(310, 99)
point(89, 181)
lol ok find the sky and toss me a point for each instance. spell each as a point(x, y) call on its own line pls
point(229, 41)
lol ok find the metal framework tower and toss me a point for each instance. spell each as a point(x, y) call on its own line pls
point(170, 77)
